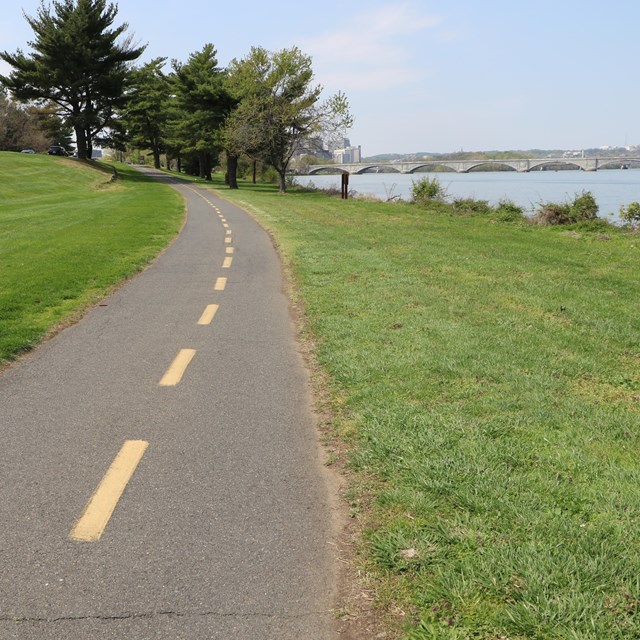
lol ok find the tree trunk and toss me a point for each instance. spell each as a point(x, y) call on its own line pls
point(156, 158)
point(282, 182)
point(81, 142)
point(89, 142)
point(255, 170)
point(232, 170)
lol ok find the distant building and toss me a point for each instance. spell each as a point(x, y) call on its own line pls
point(339, 143)
point(312, 147)
point(348, 155)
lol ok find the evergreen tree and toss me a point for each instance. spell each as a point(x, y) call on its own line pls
point(77, 63)
point(147, 111)
point(201, 104)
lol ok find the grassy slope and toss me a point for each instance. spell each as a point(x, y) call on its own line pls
point(67, 235)
point(489, 378)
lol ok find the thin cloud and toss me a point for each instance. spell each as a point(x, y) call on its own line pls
point(374, 50)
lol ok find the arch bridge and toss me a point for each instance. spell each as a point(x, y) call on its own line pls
point(464, 166)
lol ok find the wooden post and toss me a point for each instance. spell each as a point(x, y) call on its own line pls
point(345, 185)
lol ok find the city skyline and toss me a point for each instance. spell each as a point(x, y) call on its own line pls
point(427, 76)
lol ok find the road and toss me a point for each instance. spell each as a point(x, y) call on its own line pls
point(160, 474)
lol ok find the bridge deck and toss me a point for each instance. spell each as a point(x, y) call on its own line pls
point(464, 166)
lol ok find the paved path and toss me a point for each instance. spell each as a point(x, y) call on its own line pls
point(224, 527)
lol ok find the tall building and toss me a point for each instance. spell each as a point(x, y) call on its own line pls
point(348, 155)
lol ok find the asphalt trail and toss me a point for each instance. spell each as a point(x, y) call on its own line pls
point(224, 528)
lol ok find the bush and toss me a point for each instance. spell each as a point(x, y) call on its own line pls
point(631, 213)
point(508, 211)
point(426, 190)
point(553, 213)
point(584, 208)
point(470, 205)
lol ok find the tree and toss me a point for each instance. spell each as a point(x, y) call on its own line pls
point(18, 128)
point(201, 105)
point(77, 63)
point(279, 108)
point(53, 126)
point(147, 112)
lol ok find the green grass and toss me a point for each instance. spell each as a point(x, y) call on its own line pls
point(487, 376)
point(67, 236)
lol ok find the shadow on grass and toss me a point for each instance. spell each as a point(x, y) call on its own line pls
point(133, 173)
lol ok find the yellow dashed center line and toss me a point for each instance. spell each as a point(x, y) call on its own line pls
point(221, 283)
point(175, 372)
point(229, 250)
point(225, 225)
point(228, 240)
point(98, 511)
point(229, 232)
point(208, 314)
point(227, 263)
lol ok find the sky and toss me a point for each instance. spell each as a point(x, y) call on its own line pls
point(421, 75)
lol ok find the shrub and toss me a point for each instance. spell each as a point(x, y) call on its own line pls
point(631, 213)
point(584, 207)
point(470, 205)
point(552, 213)
point(508, 211)
point(426, 190)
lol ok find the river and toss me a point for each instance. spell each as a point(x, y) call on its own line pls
point(612, 188)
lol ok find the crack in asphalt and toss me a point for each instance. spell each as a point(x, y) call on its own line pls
point(169, 614)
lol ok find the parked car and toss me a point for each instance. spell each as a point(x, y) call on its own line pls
point(27, 151)
point(56, 150)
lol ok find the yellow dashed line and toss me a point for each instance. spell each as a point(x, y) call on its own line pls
point(227, 240)
point(227, 263)
point(221, 283)
point(229, 232)
point(208, 314)
point(175, 372)
point(98, 511)
point(229, 250)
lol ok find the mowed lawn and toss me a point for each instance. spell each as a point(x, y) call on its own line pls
point(68, 235)
point(487, 378)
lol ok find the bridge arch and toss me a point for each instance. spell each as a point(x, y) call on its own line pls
point(553, 161)
point(618, 163)
point(367, 169)
point(326, 171)
point(437, 166)
point(491, 163)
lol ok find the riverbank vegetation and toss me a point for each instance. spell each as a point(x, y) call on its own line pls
point(581, 212)
point(485, 378)
point(68, 234)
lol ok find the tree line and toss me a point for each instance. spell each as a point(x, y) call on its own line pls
point(81, 72)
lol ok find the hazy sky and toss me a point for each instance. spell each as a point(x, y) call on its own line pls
point(426, 75)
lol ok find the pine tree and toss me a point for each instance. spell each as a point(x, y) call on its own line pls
point(78, 63)
point(201, 105)
point(147, 111)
